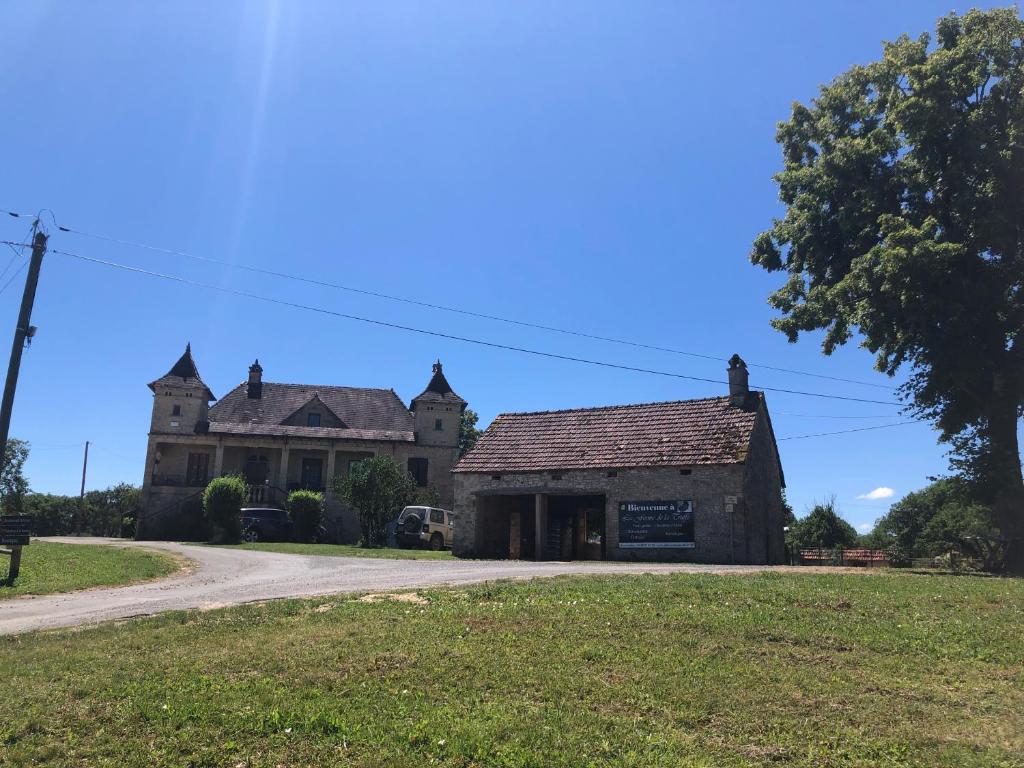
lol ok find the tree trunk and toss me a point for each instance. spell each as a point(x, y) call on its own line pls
point(1007, 480)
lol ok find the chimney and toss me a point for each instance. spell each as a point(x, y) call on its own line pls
point(738, 389)
point(254, 389)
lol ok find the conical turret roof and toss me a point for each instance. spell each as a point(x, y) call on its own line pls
point(183, 374)
point(438, 390)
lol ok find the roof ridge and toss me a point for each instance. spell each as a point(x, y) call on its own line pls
point(320, 386)
point(612, 407)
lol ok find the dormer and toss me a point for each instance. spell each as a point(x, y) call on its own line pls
point(314, 413)
point(181, 399)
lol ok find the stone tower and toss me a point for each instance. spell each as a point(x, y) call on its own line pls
point(181, 400)
point(437, 412)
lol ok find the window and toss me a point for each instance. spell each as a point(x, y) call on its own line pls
point(198, 469)
point(176, 410)
point(438, 425)
point(685, 471)
point(312, 419)
point(418, 470)
point(437, 516)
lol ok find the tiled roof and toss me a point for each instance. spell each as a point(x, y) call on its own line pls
point(183, 373)
point(361, 410)
point(438, 390)
point(331, 433)
point(680, 433)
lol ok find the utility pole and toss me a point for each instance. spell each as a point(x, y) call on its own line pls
point(81, 497)
point(22, 333)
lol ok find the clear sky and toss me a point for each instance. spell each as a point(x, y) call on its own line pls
point(598, 166)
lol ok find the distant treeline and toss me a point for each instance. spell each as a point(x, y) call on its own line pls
point(110, 512)
point(944, 520)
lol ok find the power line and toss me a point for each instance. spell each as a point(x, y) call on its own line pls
point(14, 275)
point(830, 416)
point(439, 334)
point(848, 431)
point(457, 310)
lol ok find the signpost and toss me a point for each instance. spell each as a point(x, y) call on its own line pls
point(661, 524)
point(14, 533)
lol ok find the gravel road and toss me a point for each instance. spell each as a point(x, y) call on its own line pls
point(222, 577)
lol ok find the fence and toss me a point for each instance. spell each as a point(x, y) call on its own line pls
point(866, 558)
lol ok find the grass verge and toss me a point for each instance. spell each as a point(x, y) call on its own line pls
point(48, 567)
point(682, 670)
point(342, 550)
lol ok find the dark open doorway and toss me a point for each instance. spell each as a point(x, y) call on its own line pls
point(575, 528)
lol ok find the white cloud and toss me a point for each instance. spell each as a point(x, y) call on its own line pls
point(865, 527)
point(882, 492)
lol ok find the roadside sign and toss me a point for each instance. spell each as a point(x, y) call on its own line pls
point(15, 530)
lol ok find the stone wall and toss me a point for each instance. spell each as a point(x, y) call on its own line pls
point(720, 536)
point(174, 449)
point(762, 493)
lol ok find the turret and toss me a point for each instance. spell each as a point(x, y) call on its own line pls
point(437, 412)
point(181, 400)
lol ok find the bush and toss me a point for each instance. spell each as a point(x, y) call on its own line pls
point(222, 501)
point(822, 528)
point(305, 508)
point(378, 488)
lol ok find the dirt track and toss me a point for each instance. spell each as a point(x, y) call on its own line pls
point(222, 577)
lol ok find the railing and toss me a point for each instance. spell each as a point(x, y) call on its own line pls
point(180, 481)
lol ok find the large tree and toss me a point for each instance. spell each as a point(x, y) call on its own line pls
point(904, 188)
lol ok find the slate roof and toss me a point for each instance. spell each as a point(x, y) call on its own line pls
point(438, 390)
point(679, 433)
point(183, 373)
point(368, 414)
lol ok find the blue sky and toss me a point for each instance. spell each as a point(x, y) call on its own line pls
point(595, 166)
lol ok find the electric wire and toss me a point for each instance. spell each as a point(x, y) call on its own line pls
point(456, 310)
point(450, 336)
point(13, 275)
point(848, 431)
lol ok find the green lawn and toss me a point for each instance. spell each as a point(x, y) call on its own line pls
point(48, 567)
point(683, 670)
point(343, 550)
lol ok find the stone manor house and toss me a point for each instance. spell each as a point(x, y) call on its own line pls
point(281, 437)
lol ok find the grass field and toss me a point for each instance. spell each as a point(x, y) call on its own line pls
point(684, 670)
point(47, 567)
point(343, 550)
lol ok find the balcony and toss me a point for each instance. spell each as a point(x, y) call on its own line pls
point(179, 481)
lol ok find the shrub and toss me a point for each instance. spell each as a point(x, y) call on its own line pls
point(823, 528)
point(378, 488)
point(305, 508)
point(222, 501)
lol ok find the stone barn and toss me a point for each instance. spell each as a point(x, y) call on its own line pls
point(690, 480)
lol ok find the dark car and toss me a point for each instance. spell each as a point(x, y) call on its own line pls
point(263, 524)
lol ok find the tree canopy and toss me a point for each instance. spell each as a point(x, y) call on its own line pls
point(904, 190)
point(13, 485)
point(822, 527)
point(378, 488)
point(468, 432)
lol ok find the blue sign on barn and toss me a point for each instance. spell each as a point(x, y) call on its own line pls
point(656, 524)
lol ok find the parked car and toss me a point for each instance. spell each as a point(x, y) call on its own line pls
point(425, 526)
point(265, 524)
